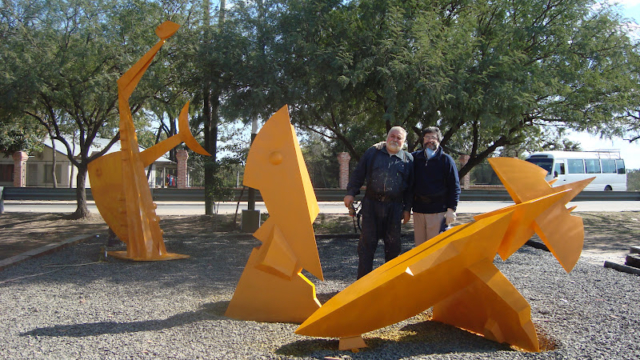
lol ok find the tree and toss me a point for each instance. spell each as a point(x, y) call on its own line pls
point(543, 64)
point(488, 73)
point(210, 55)
point(320, 161)
point(62, 62)
point(633, 180)
point(20, 136)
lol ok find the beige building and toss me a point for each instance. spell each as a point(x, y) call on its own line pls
point(34, 170)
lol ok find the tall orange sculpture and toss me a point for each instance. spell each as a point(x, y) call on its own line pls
point(454, 271)
point(272, 287)
point(118, 182)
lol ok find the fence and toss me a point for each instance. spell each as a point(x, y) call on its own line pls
point(170, 194)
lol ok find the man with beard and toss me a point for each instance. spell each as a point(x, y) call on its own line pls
point(388, 171)
point(437, 187)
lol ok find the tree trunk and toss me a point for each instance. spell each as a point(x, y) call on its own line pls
point(73, 142)
point(173, 130)
point(54, 164)
point(208, 165)
point(82, 211)
point(211, 144)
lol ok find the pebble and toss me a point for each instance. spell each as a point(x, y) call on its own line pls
point(118, 309)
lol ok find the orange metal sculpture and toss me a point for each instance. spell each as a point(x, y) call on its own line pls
point(118, 182)
point(454, 271)
point(272, 287)
point(561, 232)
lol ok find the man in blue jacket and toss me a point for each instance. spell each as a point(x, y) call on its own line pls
point(436, 187)
point(388, 171)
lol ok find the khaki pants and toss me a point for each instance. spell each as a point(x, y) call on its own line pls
point(426, 226)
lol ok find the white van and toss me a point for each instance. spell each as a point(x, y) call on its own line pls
point(568, 166)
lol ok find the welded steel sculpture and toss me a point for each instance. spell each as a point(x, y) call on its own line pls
point(272, 287)
point(118, 181)
point(454, 272)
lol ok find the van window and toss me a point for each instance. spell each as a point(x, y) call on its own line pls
point(576, 166)
point(592, 165)
point(620, 166)
point(558, 169)
point(608, 166)
point(545, 163)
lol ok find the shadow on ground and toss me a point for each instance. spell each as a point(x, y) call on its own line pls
point(211, 311)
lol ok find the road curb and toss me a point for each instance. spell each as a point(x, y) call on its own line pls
point(43, 250)
point(622, 268)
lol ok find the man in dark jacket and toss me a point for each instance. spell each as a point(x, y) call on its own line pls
point(436, 187)
point(388, 171)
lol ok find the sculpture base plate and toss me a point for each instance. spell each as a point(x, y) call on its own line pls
point(353, 343)
point(168, 256)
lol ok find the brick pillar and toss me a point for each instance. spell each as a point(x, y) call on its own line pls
point(20, 168)
point(466, 180)
point(343, 160)
point(182, 157)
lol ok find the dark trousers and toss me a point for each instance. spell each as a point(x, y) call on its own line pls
point(379, 220)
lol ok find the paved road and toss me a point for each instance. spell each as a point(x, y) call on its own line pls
point(197, 208)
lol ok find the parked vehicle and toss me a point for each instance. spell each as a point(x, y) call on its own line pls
point(607, 166)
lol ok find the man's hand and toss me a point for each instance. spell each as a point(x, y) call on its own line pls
point(348, 201)
point(406, 215)
point(450, 216)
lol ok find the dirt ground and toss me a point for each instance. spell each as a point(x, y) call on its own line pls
point(608, 235)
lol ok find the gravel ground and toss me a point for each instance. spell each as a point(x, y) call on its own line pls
point(68, 305)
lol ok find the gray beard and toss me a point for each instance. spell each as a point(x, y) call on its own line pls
point(393, 147)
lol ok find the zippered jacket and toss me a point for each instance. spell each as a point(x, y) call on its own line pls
point(436, 185)
point(387, 176)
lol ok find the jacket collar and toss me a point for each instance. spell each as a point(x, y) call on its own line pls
point(400, 154)
point(423, 153)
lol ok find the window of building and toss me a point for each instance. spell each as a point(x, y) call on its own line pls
point(6, 172)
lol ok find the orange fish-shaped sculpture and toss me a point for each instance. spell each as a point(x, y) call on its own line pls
point(118, 183)
point(560, 231)
point(454, 273)
point(272, 287)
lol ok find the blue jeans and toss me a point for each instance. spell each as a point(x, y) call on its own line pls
point(379, 220)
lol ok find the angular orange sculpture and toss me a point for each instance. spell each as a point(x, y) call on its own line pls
point(272, 287)
point(561, 232)
point(454, 273)
point(118, 182)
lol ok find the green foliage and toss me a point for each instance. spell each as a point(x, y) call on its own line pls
point(633, 180)
point(16, 136)
point(62, 66)
point(321, 161)
point(498, 77)
point(539, 139)
point(483, 174)
point(61, 60)
point(218, 189)
point(489, 74)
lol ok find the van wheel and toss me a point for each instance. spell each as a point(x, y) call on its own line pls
point(607, 188)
